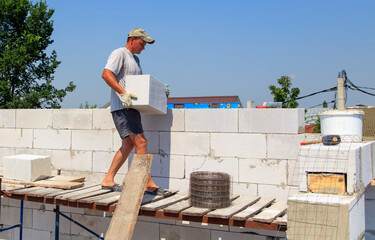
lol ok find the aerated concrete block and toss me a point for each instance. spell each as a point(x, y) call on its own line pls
point(180, 232)
point(26, 167)
point(42, 221)
point(34, 118)
point(184, 143)
point(211, 120)
point(94, 140)
point(151, 97)
point(6, 152)
point(72, 160)
point(168, 166)
point(241, 145)
point(96, 224)
point(52, 139)
point(280, 192)
point(173, 121)
point(36, 234)
point(255, 170)
point(238, 236)
point(276, 120)
point(102, 119)
point(72, 118)
point(176, 165)
point(247, 189)
point(325, 216)
point(7, 118)
point(146, 230)
point(283, 146)
point(16, 138)
point(102, 161)
point(226, 165)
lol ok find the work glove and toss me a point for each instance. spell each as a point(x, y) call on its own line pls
point(126, 99)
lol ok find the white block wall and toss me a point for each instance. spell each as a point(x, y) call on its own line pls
point(257, 147)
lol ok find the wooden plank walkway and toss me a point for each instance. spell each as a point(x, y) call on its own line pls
point(245, 211)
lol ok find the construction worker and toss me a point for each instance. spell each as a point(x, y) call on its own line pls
point(123, 62)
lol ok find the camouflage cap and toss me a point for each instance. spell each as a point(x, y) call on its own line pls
point(139, 32)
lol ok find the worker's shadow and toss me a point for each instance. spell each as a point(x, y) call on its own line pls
point(157, 129)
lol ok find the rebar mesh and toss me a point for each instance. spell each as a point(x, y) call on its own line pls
point(210, 189)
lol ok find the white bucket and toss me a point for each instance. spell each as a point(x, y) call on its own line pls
point(346, 123)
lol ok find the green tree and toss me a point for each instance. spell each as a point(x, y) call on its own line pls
point(87, 106)
point(284, 93)
point(26, 66)
point(325, 104)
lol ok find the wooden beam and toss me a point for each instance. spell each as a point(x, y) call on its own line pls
point(126, 213)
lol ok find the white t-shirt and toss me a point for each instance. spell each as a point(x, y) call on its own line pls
point(122, 62)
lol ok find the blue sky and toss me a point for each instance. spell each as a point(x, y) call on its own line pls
point(212, 48)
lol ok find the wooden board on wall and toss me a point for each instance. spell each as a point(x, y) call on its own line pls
point(123, 221)
point(326, 183)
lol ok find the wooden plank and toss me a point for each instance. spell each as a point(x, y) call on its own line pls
point(58, 184)
point(88, 194)
point(126, 213)
point(148, 198)
point(153, 206)
point(237, 205)
point(326, 183)
point(178, 206)
point(93, 199)
point(253, 209)
point(195, 211)
point(42, 192)
point(47, 183)
point(108, 201)
point(24, 191)
point(78, 193)
point(86, 185)
point(271, 213)
point(283, 220)
point(66, 178)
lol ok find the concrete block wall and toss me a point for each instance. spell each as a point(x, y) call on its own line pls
point(257, 147)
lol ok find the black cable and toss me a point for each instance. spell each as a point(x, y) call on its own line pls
point(312, 94)
point(357, 88)
point(322, 104)
point(366, 88)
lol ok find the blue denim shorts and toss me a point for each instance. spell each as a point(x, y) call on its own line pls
point(127, 122)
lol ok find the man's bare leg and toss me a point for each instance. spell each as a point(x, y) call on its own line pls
point(118, 160)
point(140, 144)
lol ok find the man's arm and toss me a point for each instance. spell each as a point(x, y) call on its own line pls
point(125, 97)
point(110, 79)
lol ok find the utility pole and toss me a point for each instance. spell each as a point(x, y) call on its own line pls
point(340, 92)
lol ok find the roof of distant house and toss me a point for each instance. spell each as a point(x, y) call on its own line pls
point(212, 99)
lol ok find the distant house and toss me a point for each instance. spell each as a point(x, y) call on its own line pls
point(204, 102)
point(200, 102)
